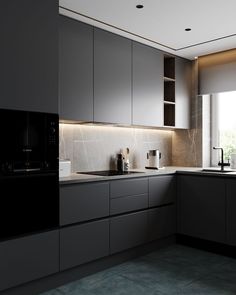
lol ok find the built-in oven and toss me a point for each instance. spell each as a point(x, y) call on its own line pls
point(29, 180)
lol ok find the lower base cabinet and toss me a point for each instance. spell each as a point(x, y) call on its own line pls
point(83, 243)
point(28, 258)
point(202, 207)
point(161, 222)
point(128, 231)
point(230, 211)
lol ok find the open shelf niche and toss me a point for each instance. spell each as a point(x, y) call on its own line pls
point(169, 91)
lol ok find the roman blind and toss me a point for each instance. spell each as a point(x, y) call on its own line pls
point(217, 72)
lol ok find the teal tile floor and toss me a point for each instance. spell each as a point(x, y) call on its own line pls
point(176, 270)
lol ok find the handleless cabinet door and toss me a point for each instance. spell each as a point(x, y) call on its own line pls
point(147, 86)
point(162, 190)
point(28, 258)
point(112, 78)
point(75, 70)
point(202, 207)
point(230, 211)
point(82, 202)
point(128, 231)
point(183, 81)
point(161, 222)
point(29, 55)
point(83, 243)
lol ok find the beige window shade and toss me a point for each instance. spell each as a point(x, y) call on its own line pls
point(217, 72)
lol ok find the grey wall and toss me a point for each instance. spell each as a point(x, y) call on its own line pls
point(95, 147)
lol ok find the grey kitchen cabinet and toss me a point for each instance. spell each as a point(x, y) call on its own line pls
point(161, 222)
point(75, 70)
point(128, 231)
point(127, 187)
point(28, 258)
point(162, 190)
point(202, 207)
point(128, 195)
point(29, 55)
point(183, 88)
point(81, 202)
point(83, 243)
point(230, 211)
point(147, 86)
point(112, 78)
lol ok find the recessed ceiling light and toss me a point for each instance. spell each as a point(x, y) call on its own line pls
point(188, 29)
point(139, 6)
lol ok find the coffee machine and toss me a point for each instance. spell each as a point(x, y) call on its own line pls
point(153, 159)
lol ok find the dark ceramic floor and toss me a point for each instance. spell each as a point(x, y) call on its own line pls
point(174, 270)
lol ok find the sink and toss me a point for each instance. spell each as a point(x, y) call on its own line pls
point(216, 170)
point(110, 172)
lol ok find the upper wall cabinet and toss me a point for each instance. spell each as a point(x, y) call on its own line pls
point(75, 70)
point(112, 78)
point(183, 86)
point(28, 53)
point(147, 86)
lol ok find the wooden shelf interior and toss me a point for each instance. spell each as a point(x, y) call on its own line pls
point(169, 114)
point(169, 67)
point(169, 91)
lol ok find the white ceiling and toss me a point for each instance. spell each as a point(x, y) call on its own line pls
point(162, 23)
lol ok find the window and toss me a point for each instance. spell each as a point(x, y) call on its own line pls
point(223, 125)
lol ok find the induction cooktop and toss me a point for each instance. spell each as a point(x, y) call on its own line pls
point(110, 172)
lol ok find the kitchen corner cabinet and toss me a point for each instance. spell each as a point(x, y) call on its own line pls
point(28, 258)
point(202, 207)
point(147, 86)
point(161, 222)
point(162, 190)
point(28, 55)
point(183, 85)
point(231, 209)
point(112, 78)
point(75, 70)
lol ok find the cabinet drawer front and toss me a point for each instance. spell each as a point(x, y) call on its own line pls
point(162, 190)
point(161, 222)
point(128, 231)
point(81, 202)
point(130, 203)
point(128, 187)
point(29, 258)
point(83, 243)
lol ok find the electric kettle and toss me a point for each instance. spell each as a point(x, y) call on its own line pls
point(153, 159)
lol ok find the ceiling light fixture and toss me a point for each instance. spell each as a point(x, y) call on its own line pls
point(188, 29)
point(139, 6)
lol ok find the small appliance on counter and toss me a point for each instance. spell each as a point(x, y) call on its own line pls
point(153, 159)
point(64, 168)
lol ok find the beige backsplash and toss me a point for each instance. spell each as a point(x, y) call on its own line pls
point(95, 147)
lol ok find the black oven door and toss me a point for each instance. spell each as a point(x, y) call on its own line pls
point(29, 204)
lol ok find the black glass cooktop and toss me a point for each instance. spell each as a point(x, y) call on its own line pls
point(109, 172)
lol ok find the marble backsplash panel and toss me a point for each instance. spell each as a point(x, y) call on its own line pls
point(95, 147)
